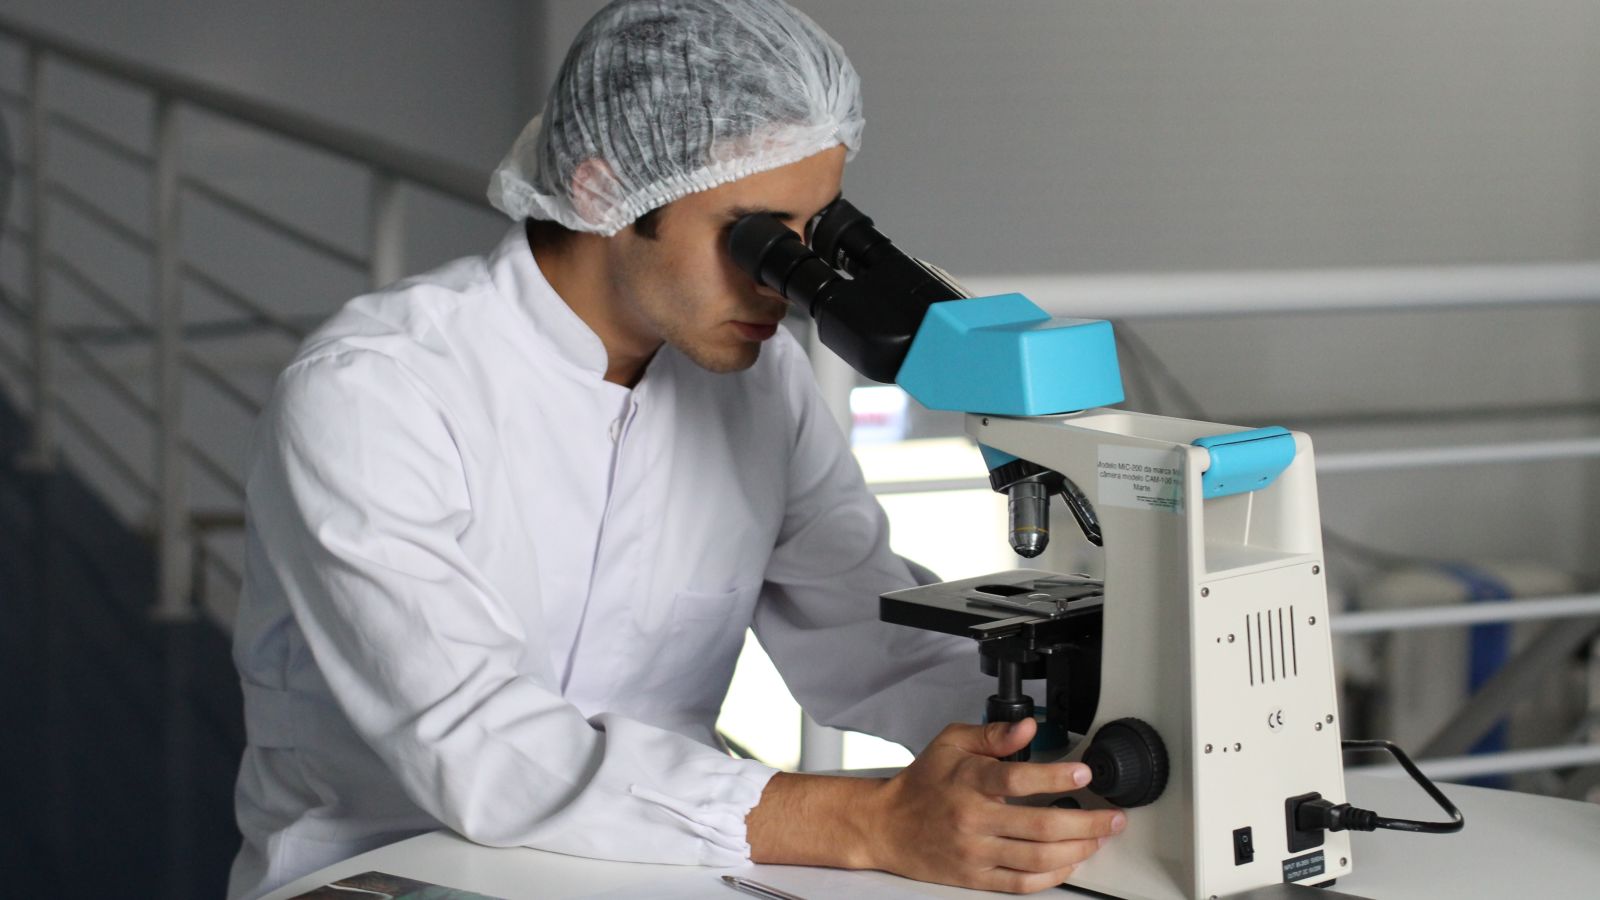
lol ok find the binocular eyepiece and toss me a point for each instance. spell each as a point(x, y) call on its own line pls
point(866, 296)
point(868, 300)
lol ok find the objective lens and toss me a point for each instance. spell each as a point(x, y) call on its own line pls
point(1030, 518)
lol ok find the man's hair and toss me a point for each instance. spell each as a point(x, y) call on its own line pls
point(648, 224)
point(543, 234)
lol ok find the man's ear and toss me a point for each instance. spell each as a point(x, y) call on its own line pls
point(595, 191)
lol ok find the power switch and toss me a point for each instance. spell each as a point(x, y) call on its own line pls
point(1244, 847)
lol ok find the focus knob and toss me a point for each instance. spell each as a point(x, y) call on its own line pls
point(1129, 763)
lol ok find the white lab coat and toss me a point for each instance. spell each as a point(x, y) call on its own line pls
point(488, 590)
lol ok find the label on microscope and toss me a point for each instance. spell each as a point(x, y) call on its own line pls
point(1302, 867)
point(1141, 478)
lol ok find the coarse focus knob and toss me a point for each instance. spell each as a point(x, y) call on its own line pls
point(1129, 763)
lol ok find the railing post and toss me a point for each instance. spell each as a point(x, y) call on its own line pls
point(835, 379)
point(386, 245)
point(172, 514)
point(42, 440)
point(821, 747)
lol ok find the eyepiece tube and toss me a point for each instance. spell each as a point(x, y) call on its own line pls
point(844, 236)
point(774, 255)
point(868, 313)
point(749, 242)
point(846, 239)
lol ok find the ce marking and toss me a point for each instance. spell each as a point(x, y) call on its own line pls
point(1275, 719)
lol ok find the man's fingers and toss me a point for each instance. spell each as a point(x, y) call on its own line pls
point(1044, 823)
point(1024, 779)
point(1016, 882)
point(995, 739)
point(1041, 856)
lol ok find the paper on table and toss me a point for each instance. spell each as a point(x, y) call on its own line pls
point(812, 884)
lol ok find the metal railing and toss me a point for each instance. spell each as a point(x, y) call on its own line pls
point(185, 562)
point(392, 171)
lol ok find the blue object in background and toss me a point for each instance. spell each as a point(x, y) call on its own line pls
point(1489, 649)
point(123, 731)
point(1006, 356)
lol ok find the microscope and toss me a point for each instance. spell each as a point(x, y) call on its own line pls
point(1196, 678)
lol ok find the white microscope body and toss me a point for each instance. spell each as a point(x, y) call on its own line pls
point(1211, 626)
point(1215, 633)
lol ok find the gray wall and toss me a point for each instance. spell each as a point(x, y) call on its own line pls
point(1029, 137)
point(1035, 136)
point(437, 76)
point(1114, 135)
point(1048, 136)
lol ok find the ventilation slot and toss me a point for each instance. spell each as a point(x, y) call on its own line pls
point(1271, 647)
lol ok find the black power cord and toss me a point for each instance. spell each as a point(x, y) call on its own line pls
point(1320, 814)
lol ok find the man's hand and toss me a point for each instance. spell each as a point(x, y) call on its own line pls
point(943, 819)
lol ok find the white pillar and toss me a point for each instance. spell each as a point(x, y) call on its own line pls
point(386, 244)
point(822, 748)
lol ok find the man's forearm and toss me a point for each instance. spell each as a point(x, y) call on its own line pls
point(944, 818)
point(814, 820)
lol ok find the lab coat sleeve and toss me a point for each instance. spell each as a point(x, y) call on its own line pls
point(818, 615)
point(359, 495)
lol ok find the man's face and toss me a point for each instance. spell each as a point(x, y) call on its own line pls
point(682, 287)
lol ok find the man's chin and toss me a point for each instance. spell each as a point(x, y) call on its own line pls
point(723, 360)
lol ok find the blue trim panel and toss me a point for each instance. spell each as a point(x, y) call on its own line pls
point(1004, 355)
point(1245, 460)
point(993, 458)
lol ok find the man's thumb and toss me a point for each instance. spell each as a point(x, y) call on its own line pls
point(999, 739)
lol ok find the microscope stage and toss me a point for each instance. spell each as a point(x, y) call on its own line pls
point(976, 607)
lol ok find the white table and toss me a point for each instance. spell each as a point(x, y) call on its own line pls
point(1514, 846)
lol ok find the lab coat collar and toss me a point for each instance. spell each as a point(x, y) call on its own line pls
point(517, 277)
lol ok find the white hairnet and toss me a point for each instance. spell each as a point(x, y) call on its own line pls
point(658, 99)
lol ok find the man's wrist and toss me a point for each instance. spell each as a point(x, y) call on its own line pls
point(817, 820)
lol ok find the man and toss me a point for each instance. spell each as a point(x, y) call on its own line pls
point(509, 520)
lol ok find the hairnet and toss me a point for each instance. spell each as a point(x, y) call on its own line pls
point(658, 99)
